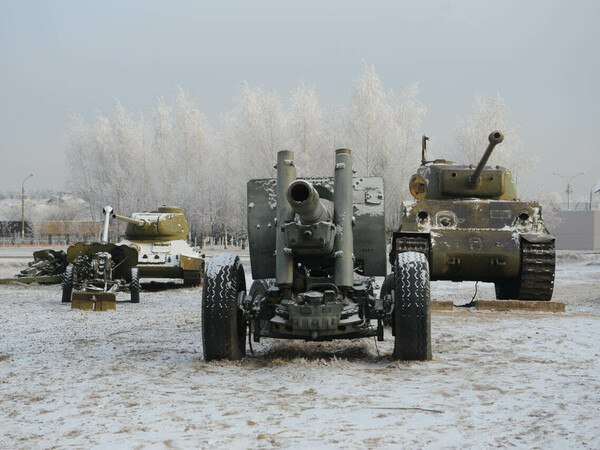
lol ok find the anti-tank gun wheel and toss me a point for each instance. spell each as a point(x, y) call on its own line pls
point(134, 285)
point(67, 284)
point(223, 324)
point(412, 313)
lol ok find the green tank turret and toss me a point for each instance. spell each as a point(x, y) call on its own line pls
point(470, 224)
point(160, 237)
point(166, 224)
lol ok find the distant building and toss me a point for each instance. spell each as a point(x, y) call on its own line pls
point(577, 230)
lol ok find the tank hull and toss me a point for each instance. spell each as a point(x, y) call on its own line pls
point(168, 259)
point(497, 241)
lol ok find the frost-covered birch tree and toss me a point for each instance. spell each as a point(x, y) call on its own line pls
point(369, 121)
point(486, 115)
point(401, 155)
point(307, 131)
point(383, 130)
point(258, 130)
point(175, 157)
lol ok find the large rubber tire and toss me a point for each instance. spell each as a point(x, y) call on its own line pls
point(67, 284)
point(412, 307)
point(507, 289)
point(192, 278)
point(223, 324)
point(134, 285)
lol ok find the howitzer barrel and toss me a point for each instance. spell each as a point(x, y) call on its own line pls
point(495, 138)
point(305, 201)
point(139, 222)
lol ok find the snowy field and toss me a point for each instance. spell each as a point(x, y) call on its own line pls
point(135, 377)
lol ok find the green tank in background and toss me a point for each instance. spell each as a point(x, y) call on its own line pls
point(160, 237)
point(470, 225)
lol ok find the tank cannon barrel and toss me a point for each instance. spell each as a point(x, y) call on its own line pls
point(139, 222)
point(495, 138)
point(305, 201)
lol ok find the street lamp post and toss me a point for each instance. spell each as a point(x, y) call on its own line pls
point(23, 205)
point(568, 180)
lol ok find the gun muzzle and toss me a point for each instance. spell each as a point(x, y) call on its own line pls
point(305, 201)
point(495, 138)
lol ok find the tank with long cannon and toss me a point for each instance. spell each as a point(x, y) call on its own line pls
point(160, 237)
point(315, 243)
point(471, 226)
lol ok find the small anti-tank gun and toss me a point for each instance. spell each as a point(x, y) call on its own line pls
point(314, 246)
point(101, 268)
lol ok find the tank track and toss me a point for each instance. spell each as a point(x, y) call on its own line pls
point(537, 270)
point(410, 244)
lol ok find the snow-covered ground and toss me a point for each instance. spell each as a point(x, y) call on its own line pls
point(135, 376)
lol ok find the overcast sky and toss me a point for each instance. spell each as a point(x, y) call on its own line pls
point(77, 56)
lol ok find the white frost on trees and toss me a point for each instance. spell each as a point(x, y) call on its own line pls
point(175, 157)
point(488, 114)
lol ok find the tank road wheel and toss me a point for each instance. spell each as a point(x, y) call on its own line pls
point(412, 314)
point(67, 284)
point(134, 286)
point(223, 324)
point(192, 278)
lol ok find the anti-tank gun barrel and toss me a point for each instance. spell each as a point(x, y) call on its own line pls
point(107, 212)
point(495, 138)
point(305, 201)
point(139, 222)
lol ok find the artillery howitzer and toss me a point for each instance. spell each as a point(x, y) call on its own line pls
point(160, 240)
point(47, 267)
point(100, 270)
point(470, 225)
point(314, 244)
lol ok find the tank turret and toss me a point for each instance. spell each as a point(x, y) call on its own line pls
point(442, 179)
point(165, 224)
